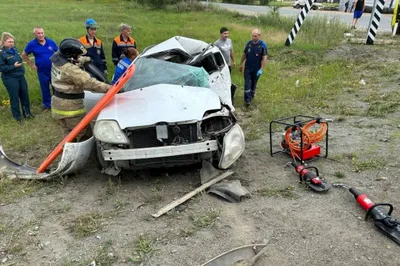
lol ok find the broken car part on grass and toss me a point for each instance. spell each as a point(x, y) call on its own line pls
point(69, 163)
point(230, 190)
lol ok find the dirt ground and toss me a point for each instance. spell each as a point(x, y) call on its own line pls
point(91, 217)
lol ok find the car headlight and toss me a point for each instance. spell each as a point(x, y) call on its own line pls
point(108, 131)
point(233, 147)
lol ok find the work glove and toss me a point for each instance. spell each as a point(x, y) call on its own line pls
point(83, 60)
point(259, 72)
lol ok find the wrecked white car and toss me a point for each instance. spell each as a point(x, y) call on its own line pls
point(175, 110)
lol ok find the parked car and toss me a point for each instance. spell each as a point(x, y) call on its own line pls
point(175, 110)
point(302, 3)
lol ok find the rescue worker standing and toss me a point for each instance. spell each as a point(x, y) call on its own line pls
point(69, 82)
point(122, 42)
point(12, 74)
point(255, 54)
point(42, 48)
point(123, 64)
point(94, 46)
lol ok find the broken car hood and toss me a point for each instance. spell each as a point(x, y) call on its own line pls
point(160, 103)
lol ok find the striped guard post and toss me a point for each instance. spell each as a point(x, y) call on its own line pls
point(374, 22)
point(299, 21)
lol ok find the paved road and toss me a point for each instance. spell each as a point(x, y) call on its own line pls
point(363, 22)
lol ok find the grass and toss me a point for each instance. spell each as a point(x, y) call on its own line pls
point(199, 221)
point(206, 219)
point(367, 164)
point(186, 232)
point(86, 225)
point(339, 174)
point(143, 249)
point(105, 255)
point(11, 190)
point(112, 187)
point(382, 108)
point(18, 237)
point(287, 192)
point(157, 194)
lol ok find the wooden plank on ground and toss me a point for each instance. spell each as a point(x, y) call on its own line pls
point(191, 194)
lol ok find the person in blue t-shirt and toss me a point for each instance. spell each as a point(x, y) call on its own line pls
point(123, 64)
point(42, 49)
point(255, 54)
point(12, 74)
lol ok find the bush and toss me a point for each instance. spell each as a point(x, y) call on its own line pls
point(241, 2)
point(156, 4)
point(184, 6)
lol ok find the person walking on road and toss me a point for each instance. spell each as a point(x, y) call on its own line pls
point(69, 82)
point(255, 54)
point(13, 77)
point(42, 49)
point(358, 11)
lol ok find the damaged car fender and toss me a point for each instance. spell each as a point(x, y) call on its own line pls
point(74, 157)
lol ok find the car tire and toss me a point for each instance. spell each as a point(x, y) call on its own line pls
point(101, 163)
point(314, 7)
point(297, 6)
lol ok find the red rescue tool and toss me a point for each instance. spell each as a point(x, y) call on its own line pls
point(311, 179)
point(383, 220)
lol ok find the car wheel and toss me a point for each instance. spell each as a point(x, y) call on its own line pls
point(314, 7)
point(297, 6)
point(101, 163)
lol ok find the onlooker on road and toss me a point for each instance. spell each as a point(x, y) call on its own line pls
point(94, 46)
point(225, 45)
point(121, 42)
point(358, 11)
point(69, 82)
point(42, 49)
point(123, 64)
point(255, 53)
point(12, 74)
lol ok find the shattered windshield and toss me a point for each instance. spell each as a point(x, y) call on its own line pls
point(150, 71)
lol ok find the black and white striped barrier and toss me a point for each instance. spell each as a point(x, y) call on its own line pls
point(374, 22)
point(299, 21)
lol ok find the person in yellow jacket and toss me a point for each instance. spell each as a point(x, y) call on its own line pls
point(69, 82)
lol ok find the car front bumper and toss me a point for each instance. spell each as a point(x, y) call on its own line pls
point(159, 152)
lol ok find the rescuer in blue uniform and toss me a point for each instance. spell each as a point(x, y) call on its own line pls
point(123, 64)
point(255, 55)
point(12, 74)
point(94, 46)
point(42, 48)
